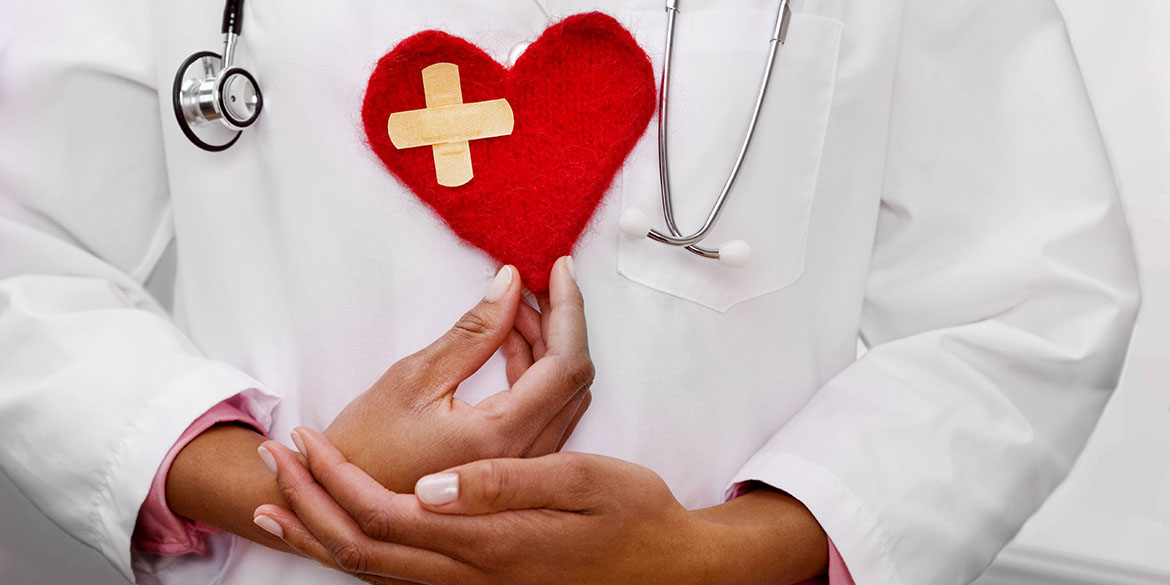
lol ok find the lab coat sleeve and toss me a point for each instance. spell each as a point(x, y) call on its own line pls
point(96, 381)
point(1000, 300)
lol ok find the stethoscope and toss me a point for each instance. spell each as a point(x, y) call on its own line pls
point(636, 223)
point(215, 100)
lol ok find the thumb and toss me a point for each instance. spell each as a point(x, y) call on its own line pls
point(464, 348)
point(557, 482)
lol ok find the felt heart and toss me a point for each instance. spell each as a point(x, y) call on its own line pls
point(582, 95)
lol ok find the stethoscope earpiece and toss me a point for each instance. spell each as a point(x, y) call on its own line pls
point(736, 254)
point(213, 99)
point(634, 223)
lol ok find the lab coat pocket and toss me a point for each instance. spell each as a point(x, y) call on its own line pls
point(719, 58)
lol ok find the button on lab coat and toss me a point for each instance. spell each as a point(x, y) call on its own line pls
point(927, 177)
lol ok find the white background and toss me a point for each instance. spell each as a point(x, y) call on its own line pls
point(1110, 522)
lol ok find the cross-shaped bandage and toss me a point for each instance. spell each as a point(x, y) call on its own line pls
point(447, 124)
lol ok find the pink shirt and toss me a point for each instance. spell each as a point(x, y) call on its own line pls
point(160, 531)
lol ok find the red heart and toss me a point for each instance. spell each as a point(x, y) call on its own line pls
point(582, 95)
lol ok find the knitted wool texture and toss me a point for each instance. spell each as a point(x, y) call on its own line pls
point(582, 96)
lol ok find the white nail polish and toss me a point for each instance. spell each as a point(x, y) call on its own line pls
point(268, 459)
point(438, 489)
point(499, 284)
point(269, 525)
point(299, 442)
point(571, 267)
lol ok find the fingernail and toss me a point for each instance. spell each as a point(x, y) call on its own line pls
point(269, 525)
point(499, 284)
point(438, 489)
point(299, 442)
point(267, 458)
point(571, 267)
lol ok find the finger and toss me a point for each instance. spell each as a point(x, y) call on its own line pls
point(545, 305)
point(581, 408)
point(528, 323)
point(286, 526)
point(550, 438)
point(350, 548)
point(564, 481)
point(542, 300)
point(365, 500)
point(517, 356)
point(553, 380)
point(526, 343)
point(564, 332)
point(463, 349)
point(379, 513)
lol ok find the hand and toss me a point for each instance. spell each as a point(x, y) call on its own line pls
point(410, 424)
point(567, 518)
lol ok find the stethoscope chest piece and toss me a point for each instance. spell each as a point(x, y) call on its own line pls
point(213, 99)
point(213, 106)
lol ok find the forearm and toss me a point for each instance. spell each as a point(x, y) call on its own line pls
point(763, 537)
point(219, 479)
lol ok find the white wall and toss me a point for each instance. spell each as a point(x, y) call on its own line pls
point(1110, 523)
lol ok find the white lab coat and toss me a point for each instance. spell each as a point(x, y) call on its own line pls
point(928, 176)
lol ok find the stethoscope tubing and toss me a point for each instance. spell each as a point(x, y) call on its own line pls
point(675, 237)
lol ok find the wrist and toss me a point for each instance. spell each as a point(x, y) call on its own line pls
point(713, 557)
point(219, 479)
point(763, 537)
